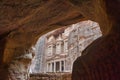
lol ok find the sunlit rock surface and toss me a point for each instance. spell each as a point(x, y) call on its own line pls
point(38, 62)
point(23, 22)
point(72, 41)
point(19, 67)
point(83, 34)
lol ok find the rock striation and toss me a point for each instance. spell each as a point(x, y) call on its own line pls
point(23, 22)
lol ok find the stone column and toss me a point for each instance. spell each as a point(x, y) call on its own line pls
point(50, 67)
point(47, 68)
point(64, 66)
point(60, 45)
point(60, 66)
point(54, 66)
point(65, 46)
point(52, 49)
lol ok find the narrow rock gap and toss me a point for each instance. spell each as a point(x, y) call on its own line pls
point(56, 51)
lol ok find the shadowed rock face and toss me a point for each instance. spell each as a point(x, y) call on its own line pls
point(3, 67)
point(22, 22)
point(100, 60)
point(26, 21)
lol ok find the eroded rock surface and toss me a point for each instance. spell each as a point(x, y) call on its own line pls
point(22, 22)
point(100, 60)
point(19, 66)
